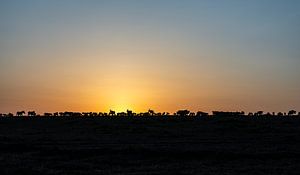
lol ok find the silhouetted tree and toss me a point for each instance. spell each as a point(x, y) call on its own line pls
point(55, 114)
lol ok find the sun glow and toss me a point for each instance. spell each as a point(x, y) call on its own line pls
point(121, 102)
point(121, 98)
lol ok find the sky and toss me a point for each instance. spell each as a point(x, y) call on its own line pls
point(96, 55)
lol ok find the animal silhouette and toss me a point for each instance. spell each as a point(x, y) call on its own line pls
point(201, 114)
point(47, 114)
point(31, 113)
point(112, 113)
point(151, 112)
point(291, 112)
point(20, 113)
point(182, 113)
point(129, 113)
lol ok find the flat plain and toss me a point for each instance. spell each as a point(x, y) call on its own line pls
point(165, 145)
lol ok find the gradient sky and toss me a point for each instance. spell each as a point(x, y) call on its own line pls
point(77, 55)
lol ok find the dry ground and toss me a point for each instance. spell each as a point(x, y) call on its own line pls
point(149, 146)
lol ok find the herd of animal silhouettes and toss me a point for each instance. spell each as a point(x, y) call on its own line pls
point(151, 113)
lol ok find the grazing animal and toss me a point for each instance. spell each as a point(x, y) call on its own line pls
point(68, 114)
point(279, 114)
point(76, 114)
point(291, 112)
point(151, 112)
point(47, 114)
point(31, 113)
point(259, 113)
point(85, 114)
point(20, 113)
point(129, 113)
point(183, 113)
point(192, 114)
point(201, 114)
point(112, 113)
point(121, 114)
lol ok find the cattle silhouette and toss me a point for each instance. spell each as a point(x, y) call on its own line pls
point(111, 113)
point(129, 113)
point(292, 112)
point(121, 114)
point(279, 114)
point(183, 113)
point(201, 114)
point(151, 112)
point(20, 113)
point(31, 113)
point(259, 113)
point(46, 114)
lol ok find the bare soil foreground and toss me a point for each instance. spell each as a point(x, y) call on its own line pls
point(149, 145)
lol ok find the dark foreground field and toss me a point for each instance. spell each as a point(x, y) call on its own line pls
point(149, 146)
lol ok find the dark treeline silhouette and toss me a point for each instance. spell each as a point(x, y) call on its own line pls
point(152, 113)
